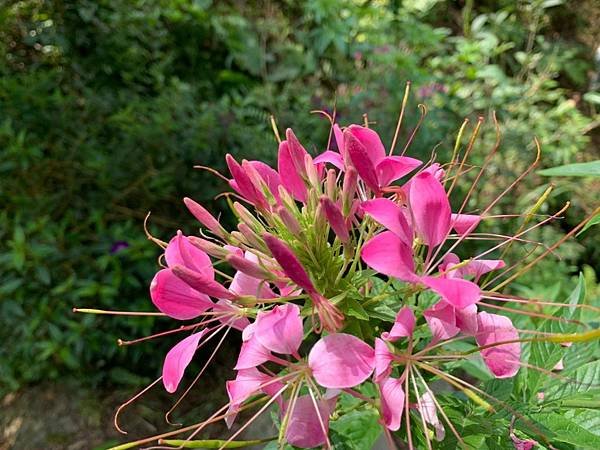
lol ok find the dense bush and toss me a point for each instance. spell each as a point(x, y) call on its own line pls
point(105, 106)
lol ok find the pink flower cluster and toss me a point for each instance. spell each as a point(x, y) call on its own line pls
point(311, 234)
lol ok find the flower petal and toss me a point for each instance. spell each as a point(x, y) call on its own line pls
point(429, 411)
point(178, 358)
point(390, 215)
point(360, 160)
point(441, 319)
point(280, 329)
point(392, 168)
point(202, 283)
point(252, 354)
point(370, 141)
point(465, 223)
point(404, 325)
point(392, 402)
point(175, 298)
point(331, 157)
point(430, 208)
point(502, 360)
point(383, 360)
point(459, 293)
point(305, 430)
point(387, 254)
point(335, 218)
point(181, 251)
point(290, 178)
point(341, 361)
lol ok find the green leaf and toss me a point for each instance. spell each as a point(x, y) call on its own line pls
point(562, 429)
point(592, 97)
point(577, 296)
point(587, 169)
point(356, 430)
point(354, 308)
point(583, 382)
point(593, 221)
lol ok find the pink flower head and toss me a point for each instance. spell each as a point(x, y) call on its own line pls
point(181, 252)
point(503, 360)
point(178, 358)
point(176, 298)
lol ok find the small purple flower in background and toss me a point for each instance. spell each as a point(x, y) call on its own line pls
point(117, 246)
point(429, 89)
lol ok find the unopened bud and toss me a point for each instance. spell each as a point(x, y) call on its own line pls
point(246, 217)
point(205, 217)
point(331, 184)
point(209, 247)
point(335, 218)
point(312, 173)
point(251, 237)
point(349, 189)
point(249, 267)
point(289, 220)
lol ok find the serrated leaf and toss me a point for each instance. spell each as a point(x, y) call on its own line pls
point(583, 381)
point(354, 308)
point(357, 430)
point(562, 429)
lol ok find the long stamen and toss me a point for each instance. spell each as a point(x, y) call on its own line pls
point(423, 109)
point(399, 122)
point(116, 313)
point(420, 409)
point(129, 402)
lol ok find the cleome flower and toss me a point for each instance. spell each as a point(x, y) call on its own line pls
point(346, 278)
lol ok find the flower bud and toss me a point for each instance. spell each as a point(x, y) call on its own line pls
point(331, 184)
point(202, 283)
point(349, 189)
point(248, 267)
point(335, 218)
point(209, 247)
point(251, 237)
point(205, 217)
point(312, 173)
point(289, 262)
point(289, 220)
point(246, 217)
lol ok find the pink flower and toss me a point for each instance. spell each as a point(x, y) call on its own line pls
point(430, 209)
point(404, 325)
point(392, 402)
point(308, 426)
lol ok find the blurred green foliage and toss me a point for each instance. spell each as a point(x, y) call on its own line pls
point(106, 105)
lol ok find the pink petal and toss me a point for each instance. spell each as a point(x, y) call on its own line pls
point(429, 410)
point(465, 223)
point(249, 280)
point(466, 319)
point(178, 358)
point(305, 430)
point(330, 157)
point(392, 403)
point(459, 293)
point(335, 218)
point(288, 262)
point(297, 151)
point(441, 319)
point(403, 326)
point(502, 360)
point(383, 360)
point(522, 444)
point(269, 176)
point(341, 361)
point(479, 267)
point(243, 184)
point(392, 168)
point(280, 329)
point(246, 383)
point(175, 298)
point(201, 283)
point(430, 208)
point(370, 140)
point(252, 354)
point(339, 140)
point(181, 251)
point(360, 159)
point(390, 215)
point(387, 254)
point(290, 178)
